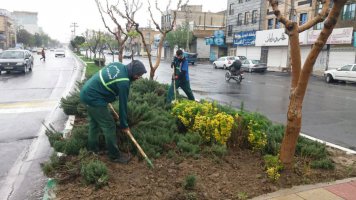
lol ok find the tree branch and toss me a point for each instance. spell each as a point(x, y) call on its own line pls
point(317, 19)
point(317, 47)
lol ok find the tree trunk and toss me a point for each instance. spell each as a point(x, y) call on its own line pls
point(158, 59)
point(299, 85)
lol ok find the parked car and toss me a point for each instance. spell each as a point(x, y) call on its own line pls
point(191, 57)
point(223, 62)
point(344, 73)
point(253, 66)
point(128, 54)
point(240, 58)
point(59, 52)
point(16, 60)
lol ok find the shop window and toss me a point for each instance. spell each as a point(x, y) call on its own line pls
point(231, 9)
point(277, 24)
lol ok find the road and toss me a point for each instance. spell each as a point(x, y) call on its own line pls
point(26, 101)
point(328, 109)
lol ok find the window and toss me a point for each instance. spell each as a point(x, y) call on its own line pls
point(229, 30)
point(277, 24)
point(345, 68)
point(239, 19)
point(247, 17)
point(241, 1)
point(348, 12)
point(254, 16)
point(231, 9)
point(303, 17)
point(354, 69)
point(270, 24)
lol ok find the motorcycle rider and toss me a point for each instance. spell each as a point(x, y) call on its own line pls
point(235, 67)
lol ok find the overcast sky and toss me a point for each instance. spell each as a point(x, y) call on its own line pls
point(56, 16)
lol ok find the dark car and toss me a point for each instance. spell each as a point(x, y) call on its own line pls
point(191, 57)
point(16, 60)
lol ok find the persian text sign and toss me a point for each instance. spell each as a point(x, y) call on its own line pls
point(338, 36)
point(274, 37)
point(245, 38)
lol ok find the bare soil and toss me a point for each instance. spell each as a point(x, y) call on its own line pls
point(239, 174)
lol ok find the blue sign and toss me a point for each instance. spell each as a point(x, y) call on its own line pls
point(354, 39)
point(215, 41)
point(219, 34)
point(245, 38)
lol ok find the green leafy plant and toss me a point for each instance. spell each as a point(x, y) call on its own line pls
point(95, 172)
point(190, 182)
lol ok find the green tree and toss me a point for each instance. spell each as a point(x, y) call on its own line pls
point(38, 40)
point(24, 37)
point(179, 37)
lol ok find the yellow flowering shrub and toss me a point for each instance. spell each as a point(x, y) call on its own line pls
point(256, 136)
point(205, 119)
point(273, 166)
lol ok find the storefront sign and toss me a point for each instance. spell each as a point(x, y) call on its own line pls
point(218, 39)
point(338, 36)
point(245, 38)
point(274, 37)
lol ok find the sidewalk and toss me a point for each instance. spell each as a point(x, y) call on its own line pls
point(338, 190)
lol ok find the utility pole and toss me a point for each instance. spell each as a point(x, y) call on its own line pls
point(291, 17)
point(74, 25)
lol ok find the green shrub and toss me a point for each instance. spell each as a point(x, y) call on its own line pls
point(216, 150)
point(190, 182)
point(95, 172)
point(51, 166)
point(274, 139)
point(325, 163)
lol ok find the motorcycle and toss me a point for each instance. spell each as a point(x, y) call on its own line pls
point(236, 75)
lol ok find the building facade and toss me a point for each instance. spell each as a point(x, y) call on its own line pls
point(27, 20)
point(7, 30)
point(338, 51)
point(202, 24)
point(242, 21)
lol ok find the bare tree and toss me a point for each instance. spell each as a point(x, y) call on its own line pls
point(300, 75)
point(114, 13)
point(163, 31)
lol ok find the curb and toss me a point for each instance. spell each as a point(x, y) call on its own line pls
point(51, 183)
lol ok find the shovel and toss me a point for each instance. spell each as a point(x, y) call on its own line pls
point(149, 162)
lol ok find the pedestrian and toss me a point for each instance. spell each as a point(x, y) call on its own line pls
point(43, 53)
point(110, 83)
point(180, 77)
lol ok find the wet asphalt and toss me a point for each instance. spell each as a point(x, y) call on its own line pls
point(27, 101)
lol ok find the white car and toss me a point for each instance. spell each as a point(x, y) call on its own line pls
point(224, 62)
point(59, 52)
point(344, 73)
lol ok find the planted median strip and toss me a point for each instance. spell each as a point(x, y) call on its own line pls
point(201, 150)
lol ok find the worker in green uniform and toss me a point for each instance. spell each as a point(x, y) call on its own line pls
point(180, 77)
point(110, 83)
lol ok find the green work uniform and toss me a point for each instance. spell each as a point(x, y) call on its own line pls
point(181, 76)
point(104, 87)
